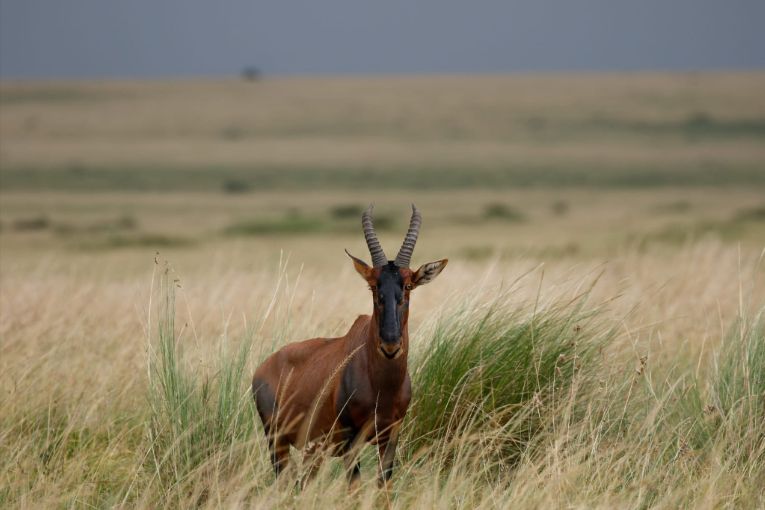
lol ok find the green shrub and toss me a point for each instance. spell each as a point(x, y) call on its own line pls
point(751, 214)
point(499, 211)
point(346, 211)
point(31, 224)
point(560, 207)
point(234, 186)
point(490, 366)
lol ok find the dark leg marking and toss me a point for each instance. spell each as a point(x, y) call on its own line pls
point(279, 455)
point(265, 403)
point(386, 449)
point(351, 457)
point(265, 399)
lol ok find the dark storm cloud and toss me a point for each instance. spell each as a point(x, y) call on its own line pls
point(84, 38)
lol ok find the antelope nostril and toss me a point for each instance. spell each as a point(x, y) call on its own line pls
point(390, 351)
point(390, 348)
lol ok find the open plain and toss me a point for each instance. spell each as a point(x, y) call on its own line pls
point(597, 340)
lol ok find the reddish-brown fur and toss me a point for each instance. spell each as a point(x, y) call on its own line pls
point(341, 391)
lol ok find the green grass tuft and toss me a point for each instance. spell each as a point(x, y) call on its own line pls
point(489, 365)
point(195, 417)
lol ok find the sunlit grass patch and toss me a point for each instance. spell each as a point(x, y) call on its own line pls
point(673, 207)
point(289, 224)
point(296, 222)
point(744, 223)
point(135, 240)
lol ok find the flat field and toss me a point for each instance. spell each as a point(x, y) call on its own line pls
point(597, 340)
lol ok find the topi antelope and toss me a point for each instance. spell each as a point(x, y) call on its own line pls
point(337, 393)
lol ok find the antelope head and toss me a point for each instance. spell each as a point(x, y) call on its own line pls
point(391, 282)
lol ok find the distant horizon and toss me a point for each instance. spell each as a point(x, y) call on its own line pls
point(382, 74)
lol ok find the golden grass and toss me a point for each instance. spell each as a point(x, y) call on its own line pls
point(74, 356)
point(676, 272)
point(353, 122)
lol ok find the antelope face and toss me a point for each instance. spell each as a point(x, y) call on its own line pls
point(391, 283)
point(391, 298)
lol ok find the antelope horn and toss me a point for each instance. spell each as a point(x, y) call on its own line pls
point(378, 255)
point(404, 256)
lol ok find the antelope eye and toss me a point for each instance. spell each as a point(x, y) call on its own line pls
point(408, 286)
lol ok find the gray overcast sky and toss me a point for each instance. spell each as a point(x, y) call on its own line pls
point(153, 38)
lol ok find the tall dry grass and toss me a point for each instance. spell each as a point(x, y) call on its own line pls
point(569, 385)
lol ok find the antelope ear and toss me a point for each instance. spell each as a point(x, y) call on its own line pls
point(428, 272)
point(361, 267)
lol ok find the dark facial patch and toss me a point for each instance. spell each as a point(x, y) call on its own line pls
point(390, 296)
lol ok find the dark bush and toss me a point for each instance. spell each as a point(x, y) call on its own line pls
point(236, 186)
point(500, 211)
point(30, 224)
point(344, 211)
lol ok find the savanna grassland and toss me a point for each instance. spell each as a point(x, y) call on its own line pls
point(597, 340)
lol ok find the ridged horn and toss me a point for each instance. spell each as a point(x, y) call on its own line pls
point(404, 256)
point(375, 250)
